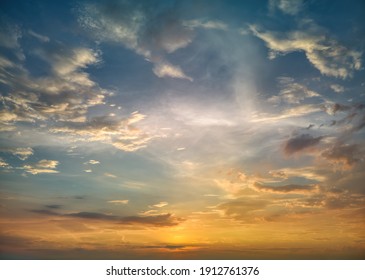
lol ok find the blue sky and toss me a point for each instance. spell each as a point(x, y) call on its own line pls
point(182, 129)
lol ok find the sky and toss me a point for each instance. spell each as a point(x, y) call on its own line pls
point(182, 129)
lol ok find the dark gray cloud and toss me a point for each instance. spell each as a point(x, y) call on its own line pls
point(354, 119)
point(160, 220)
point(300, 142)
point(343, 153)
point(53, 206)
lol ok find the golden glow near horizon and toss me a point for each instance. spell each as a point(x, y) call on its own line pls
point(150, 132)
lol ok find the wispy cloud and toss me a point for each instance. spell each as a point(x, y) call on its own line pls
point(325, 53)
point(149, 35)
point(291, 7)
point(161, 220)
point(286, 188)
point(160, 204)
point(110, 175)
point(292, 92)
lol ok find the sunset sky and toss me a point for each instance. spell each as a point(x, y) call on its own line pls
point(182, 129)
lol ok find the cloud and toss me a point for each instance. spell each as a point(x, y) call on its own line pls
point(9, 38)
point(310, 173)
point(292, 92)
point(121, 133)
point(337, 88)
point(151, 35)
point(165, 69)
point(21, 153)
point(300, 142)
point(245, 209)
point(53, 206)
point(295, 111)
point(125, 201)
point(160, 220)
point(44, 163)
point(325, 53)
point(292, 188)
point(343, 154)
point(206, 24)
point(42, 166)
point(42, 38)
point(161, 204)
point(290, 7)
point(3, 163)
point(110, 175)
point(354, 119)
point(92, 161)
point(63, 95)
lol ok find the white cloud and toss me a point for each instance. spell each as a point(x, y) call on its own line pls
point(326, 54)
point(311, 173)
point(3, 163)
point(291, 7)
point(292, 92)
point(296, 111)
point(64, 95)
point(21, 153)
point(44, 163)
point(42, 166)
point(38, 36)
point(207, 24)
point(150, 35)
point(337, 88)
point(121, 133)
point(110, 175)
point(125, 201)
point(165, 69)
point(161, 204)
point(92, 161)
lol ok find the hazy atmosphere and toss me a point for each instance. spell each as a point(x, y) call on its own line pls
point(182, 129)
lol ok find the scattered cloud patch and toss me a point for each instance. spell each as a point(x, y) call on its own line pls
point(43, 166)
point(21, 153)
point(151, 35)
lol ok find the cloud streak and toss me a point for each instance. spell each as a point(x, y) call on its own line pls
point(160, 220)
